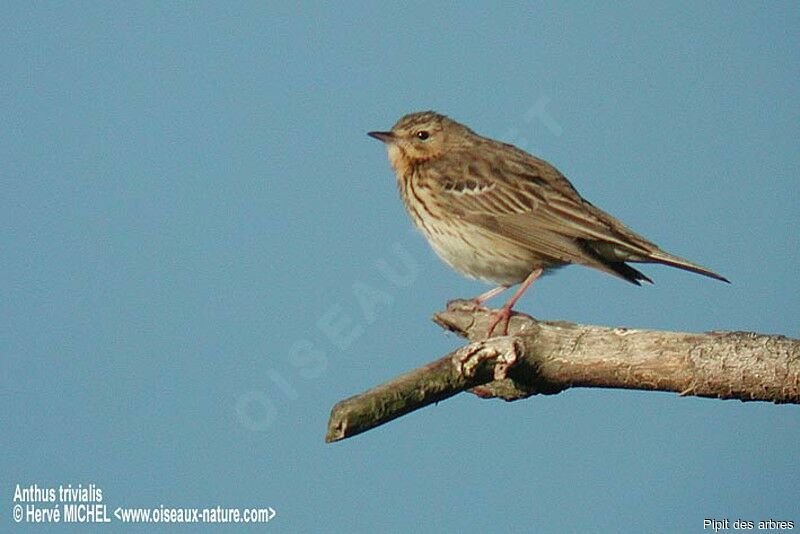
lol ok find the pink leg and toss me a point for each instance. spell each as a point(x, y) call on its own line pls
point(505, 311)
point(483, 297)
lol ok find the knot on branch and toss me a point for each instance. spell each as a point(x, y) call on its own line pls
point(498, 354)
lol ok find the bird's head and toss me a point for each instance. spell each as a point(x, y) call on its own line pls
point(421, 136)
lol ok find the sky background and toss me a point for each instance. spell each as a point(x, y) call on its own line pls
point(189, 197)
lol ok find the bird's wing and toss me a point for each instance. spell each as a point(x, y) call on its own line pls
point(529, 202)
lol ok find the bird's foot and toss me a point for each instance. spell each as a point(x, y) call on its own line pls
point(464, 305)
point(475, 303)
point(502, 315)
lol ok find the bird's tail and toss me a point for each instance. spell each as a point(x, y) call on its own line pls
point(659, 256)
point(612, 259)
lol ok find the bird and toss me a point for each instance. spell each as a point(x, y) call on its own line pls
point(494, 212)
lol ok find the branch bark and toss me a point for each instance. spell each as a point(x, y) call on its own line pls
point(545, 357)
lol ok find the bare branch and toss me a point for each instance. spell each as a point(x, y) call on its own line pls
point(548, 357)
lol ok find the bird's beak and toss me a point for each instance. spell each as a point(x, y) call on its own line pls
point(386, 137)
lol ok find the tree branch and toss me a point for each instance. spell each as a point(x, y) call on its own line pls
point(548, 357)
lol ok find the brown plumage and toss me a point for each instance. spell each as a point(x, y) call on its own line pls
point(494, 212)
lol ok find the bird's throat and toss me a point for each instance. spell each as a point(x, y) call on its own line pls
point(402, 162)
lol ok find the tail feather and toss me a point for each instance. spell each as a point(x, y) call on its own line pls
point(613, 258)
point(612, 265)
point(627, 272)
point(659, 256)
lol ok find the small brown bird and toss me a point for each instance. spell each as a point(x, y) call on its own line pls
point(494, 212)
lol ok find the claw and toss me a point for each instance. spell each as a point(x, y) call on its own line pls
point(503, 314)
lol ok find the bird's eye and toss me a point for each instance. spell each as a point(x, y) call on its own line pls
point(423, 135)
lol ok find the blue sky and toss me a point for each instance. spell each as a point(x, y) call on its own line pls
point(189, 198)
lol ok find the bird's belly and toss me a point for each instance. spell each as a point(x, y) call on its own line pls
point(481, 256)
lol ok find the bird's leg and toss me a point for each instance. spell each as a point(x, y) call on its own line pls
point(476, 302)
point(504, 313)
point(483, 297)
